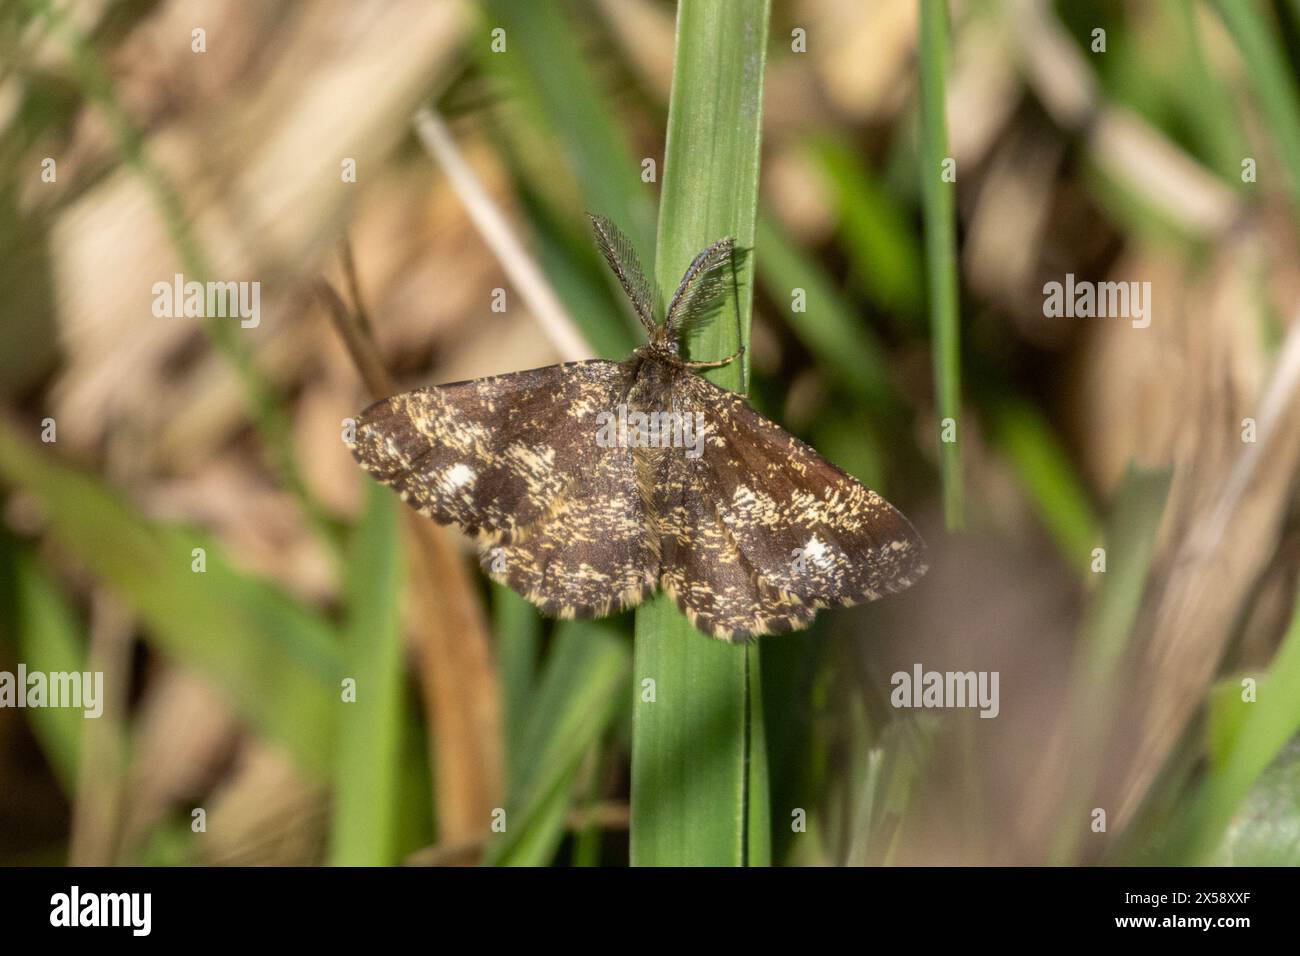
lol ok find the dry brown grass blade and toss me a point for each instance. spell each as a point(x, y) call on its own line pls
point(461, 691)
point(264, 813)
point(1216, 563)
point(185, 736)
point(357, 340)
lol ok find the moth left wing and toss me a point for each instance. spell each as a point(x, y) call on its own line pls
point(811, 532)
point(495, 456)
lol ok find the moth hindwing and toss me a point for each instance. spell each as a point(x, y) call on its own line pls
point(590, 485)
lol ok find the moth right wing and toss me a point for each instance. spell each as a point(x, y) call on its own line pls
point(809, 528)
point(495, 456)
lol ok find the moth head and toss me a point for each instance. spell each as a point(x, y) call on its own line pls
point(661, 354)
point(663, 341)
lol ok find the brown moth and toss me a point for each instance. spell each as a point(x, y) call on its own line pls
point(589, 485)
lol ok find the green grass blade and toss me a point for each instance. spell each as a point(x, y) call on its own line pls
point(547, 68)
point(1263, 729)
point(790, 705)
point(585, 673)
point(588, 841)
point(829, 327)
point(1026, 439)
point(518, 629)
point(938, 206)
point(758, 792)
point(370, 739)
point(276, 661)
point(1204, 101)
point(1104, 635)
point(49, 639)
point(875, 232)
point(1265, 831)
point(691, 782)
point(1274, 82)
point(1130, 544)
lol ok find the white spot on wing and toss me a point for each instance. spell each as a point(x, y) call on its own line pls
point(460, 474)
point(816, 552)
point(455, 478)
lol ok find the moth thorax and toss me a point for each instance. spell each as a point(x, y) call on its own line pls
point(654, 383)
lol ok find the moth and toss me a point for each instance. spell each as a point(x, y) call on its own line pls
point(590, 485)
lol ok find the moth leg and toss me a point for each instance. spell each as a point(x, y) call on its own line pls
point(717, 363)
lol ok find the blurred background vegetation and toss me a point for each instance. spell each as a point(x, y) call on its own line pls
point(1128, 159)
